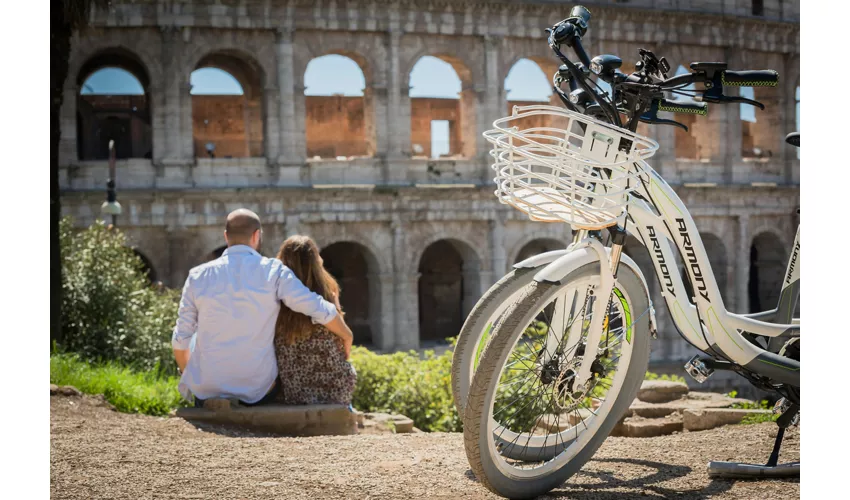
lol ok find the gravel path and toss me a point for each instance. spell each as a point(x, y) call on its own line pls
point(99, 453)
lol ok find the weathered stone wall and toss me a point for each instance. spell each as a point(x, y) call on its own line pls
point(335, 126)
point(386, 206)
point(233, 124)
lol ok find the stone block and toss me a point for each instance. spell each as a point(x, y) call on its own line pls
point(709, 418)
point(306, 420)
point(398, 424)
point(661, 391)
point(64, 390)
point(651, 427)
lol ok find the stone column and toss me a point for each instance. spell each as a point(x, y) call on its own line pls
point(742, 266)
point(398, 102)
point(173, 89)
point(497, 249)
point(471, 100)
point(271, 124)
point(407, 296)
point(187, 125)
point(405, 300)
point(68, 153)
point(386, 337)
point(734, 170)
point(292, 140)
point(492, 104)
point(159, 137)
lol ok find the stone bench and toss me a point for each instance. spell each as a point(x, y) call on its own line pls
point(305, 420)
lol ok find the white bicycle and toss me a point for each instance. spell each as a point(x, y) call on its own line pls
point(554, 353)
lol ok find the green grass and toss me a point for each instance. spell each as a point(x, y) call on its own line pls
point(130, 391)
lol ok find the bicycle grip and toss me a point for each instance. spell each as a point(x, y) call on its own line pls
point(694, 108)
point(751, 78)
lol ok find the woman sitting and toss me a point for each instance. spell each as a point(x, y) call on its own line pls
point(312, 361)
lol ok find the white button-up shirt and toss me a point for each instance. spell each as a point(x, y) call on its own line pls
point(231, 306)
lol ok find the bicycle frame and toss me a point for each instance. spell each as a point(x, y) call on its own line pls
point(664, 224)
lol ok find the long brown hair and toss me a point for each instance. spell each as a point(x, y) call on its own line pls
point(301, 254)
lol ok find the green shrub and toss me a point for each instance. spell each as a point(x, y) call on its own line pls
point(130, 391)
point(755, 418)
point(405, 383)
point(109, 310)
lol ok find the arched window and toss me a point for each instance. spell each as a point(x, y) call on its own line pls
point(113, 105)
point(526, 83)
point(337, 122)
point(442, 113)
point(759, 137)
point(227, 110)
point(767, 269)
point(449, 279)
point(356, 270)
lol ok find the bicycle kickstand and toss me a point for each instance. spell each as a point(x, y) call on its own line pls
point(773, 469)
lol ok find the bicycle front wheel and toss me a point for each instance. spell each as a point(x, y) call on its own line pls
point(527, 426)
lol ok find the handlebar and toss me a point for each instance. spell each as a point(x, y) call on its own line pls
point(693, 108)
point(642, 94)
point(752, 78)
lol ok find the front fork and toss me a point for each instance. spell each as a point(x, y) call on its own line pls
point(608, 266)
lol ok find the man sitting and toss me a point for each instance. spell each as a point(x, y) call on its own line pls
point(231, 305)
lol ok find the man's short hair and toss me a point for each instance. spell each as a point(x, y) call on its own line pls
point(241, 224)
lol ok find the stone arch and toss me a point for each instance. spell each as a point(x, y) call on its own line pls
point(148, 268)
point(547, 65)
point(768, 261)
point(122, 117)
point(89, 49)
point(530, 247)
point(259, 62)
point(339, 124)
point(229, 125)
point(449, 284)
point(458, 116)
point(527, 66)
point(357, 270)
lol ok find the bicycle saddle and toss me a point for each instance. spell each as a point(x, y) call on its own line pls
point(793, 139)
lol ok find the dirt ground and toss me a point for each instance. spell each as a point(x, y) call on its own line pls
point(100, 453)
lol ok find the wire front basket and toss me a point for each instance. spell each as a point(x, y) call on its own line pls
point(556, 165)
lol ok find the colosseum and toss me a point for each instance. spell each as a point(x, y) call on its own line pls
point(412, 230)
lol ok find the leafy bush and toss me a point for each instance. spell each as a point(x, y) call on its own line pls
point(755, 418)
point(405, 383)
point(109, 310)
point(150, 392)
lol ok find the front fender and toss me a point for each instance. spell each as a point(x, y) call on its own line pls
point(540, 259)
point(557, 267)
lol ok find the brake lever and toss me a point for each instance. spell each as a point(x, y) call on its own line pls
point(663, 121)
point(651, 116)
point(723, 99)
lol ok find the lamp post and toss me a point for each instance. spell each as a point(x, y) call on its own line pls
point(110, 206)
